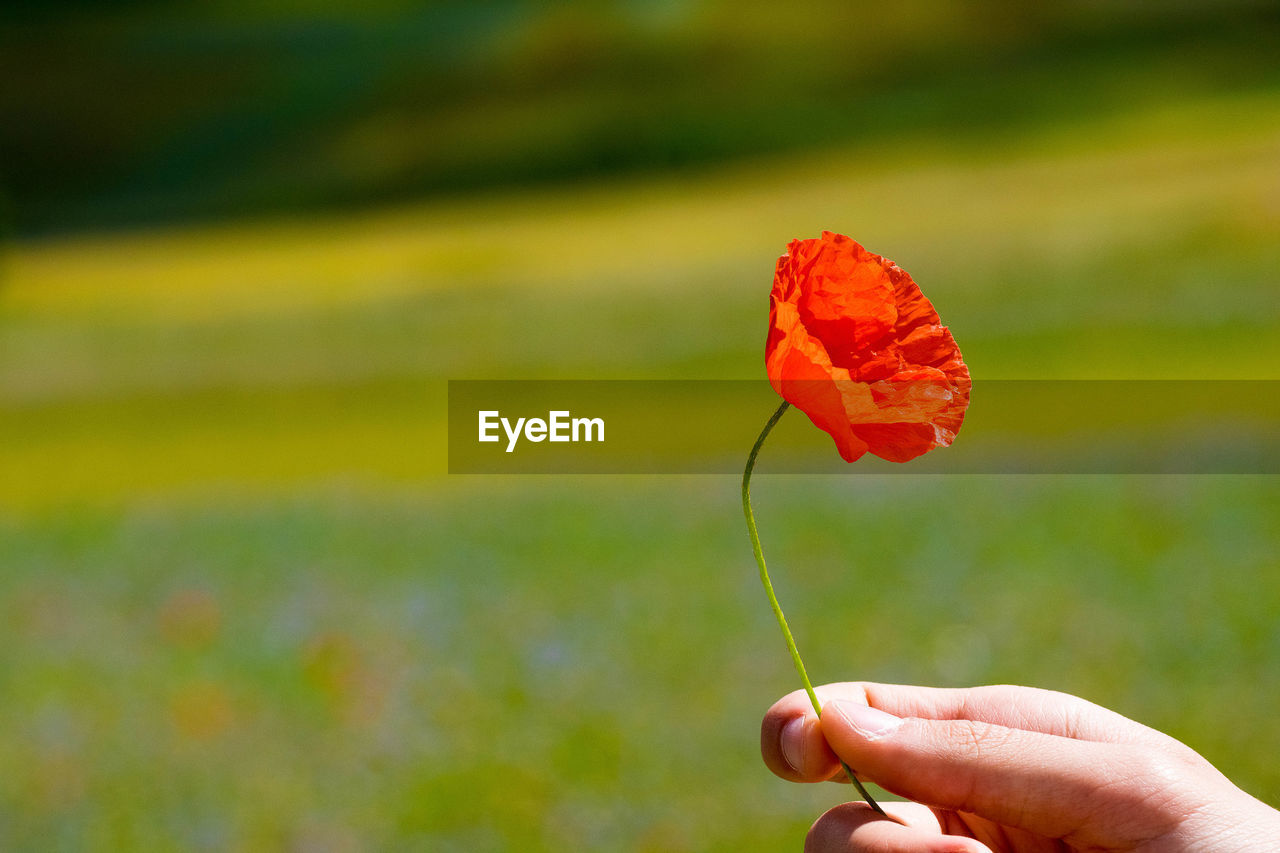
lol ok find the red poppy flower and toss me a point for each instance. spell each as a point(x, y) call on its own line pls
point(856, 346)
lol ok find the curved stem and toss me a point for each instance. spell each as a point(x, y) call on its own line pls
point(773, 599)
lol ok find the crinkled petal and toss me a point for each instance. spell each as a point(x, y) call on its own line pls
point(856, 346)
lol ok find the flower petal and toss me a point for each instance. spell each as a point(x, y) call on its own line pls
point(856, 346)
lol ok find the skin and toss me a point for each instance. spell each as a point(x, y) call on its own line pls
point(1006, 769)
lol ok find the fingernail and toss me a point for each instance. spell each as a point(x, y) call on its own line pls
point(792, 742)
point(871, 723)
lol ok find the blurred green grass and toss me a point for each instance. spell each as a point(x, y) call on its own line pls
point(246, 609)
point(552, 664)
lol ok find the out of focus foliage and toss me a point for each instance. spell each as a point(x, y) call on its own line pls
point(123, 113)
point(243, 606)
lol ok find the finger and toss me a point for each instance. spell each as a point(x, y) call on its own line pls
point(855, 828)
point(1048, 784)
point(792, 743)
point(1027, 708)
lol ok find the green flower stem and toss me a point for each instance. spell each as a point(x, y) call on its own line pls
point(773, 599)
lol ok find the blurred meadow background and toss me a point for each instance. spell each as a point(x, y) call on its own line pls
point(244, 607)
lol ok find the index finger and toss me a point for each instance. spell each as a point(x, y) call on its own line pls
point(1026, 708)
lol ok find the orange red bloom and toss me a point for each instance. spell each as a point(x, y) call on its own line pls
point(856, 346)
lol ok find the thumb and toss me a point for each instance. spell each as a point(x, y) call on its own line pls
point(1048, 784)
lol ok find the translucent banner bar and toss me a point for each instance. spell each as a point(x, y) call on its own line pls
point(1011, 427)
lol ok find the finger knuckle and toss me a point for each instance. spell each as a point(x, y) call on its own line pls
point(975, 740)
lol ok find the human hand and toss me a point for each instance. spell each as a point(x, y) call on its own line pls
point(1006, 769)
